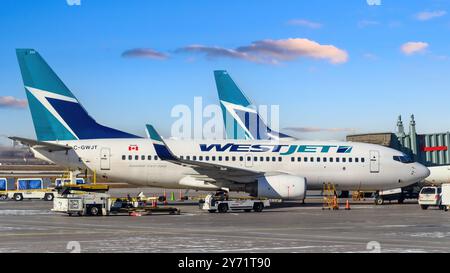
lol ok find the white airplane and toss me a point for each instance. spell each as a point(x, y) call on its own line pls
point(438, 175)
point(68, 136)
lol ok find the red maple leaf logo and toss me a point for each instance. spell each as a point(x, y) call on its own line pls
point(133, 148)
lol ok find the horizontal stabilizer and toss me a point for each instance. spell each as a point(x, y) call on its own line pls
point(51, 147)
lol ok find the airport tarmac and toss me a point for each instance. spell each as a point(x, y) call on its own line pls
point(30, 226)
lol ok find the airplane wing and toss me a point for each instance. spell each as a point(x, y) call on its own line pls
point(51, 147)
point(206, 170)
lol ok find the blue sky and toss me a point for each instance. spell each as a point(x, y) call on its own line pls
point(362, 83)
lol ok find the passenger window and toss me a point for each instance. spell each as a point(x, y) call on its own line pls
point(305, 159)
point(261, 158)
point(241, 158)
point(227, 158)
point(220, 158)
point(213, 158)
point(207, 158)
point(130, 157)
point(344, 159)
point(142, 157)
point(362, 159)
point(324, 159)
point(331, 159)
point(274, 159)
point(155, 157)
point(136, 157)
point(124, 157)
point(267, 158)
point(255, 158)
point(200, 158)
point(311, 159)
point(233, 158)
point(181, 157)
point(318, 159)
point(356, 160)
point(249, 158)
point(299, 159)
point(280, 159)
point(337, 159)
point(188, 157)
point(292, 159)
point(194, 157)
point(350, 160)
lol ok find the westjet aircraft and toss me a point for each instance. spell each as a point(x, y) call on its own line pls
point(68, 136)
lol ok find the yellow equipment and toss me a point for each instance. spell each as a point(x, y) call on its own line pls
point(357, 195)
point(330, 199)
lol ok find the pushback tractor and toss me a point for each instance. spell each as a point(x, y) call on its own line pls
point(221, 203)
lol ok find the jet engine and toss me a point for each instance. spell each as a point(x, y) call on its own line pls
point(282, 186)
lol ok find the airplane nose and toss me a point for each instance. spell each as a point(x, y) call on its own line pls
point(421, 171)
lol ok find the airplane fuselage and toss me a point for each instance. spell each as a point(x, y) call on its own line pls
point(348, 165)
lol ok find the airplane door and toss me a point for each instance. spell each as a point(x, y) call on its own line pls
point(105, 154)
point(374, 161)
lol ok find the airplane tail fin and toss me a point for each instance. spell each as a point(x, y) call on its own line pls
point(241, 119)
point(56, 112)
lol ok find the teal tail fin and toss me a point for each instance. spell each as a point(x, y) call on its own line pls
point(241, 119)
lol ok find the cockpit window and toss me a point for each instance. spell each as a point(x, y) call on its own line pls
point(403, 158)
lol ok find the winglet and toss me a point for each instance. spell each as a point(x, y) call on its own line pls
point(161, 148)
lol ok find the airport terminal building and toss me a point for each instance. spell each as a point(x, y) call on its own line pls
point(428, 149)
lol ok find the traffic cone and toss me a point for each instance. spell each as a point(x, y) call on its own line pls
point(347, 205)
point(154, 204)
point(335, 203)
point(172, 196)
point(165, 198)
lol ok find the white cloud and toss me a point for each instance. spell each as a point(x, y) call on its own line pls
point(428, 15)
point(305, 23)
point(274, 51)
point(214, 51)
point(145, 53)
point(410, 48)
point(9, 101)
